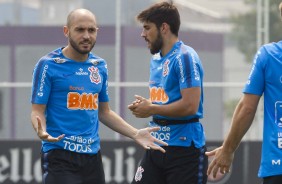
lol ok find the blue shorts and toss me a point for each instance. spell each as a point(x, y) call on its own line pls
point(66, 167)
point(181, 165)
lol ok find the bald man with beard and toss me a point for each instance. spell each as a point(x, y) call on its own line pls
point(69, 98)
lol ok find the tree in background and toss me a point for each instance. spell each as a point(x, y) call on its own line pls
point(244, 31)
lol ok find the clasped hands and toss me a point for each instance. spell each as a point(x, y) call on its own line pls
point(141, 107)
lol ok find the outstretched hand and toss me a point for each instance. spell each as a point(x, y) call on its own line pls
point(43, 135)
point(221, 161)
point(147, 141)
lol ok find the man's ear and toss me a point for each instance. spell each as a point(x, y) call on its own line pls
point(66, 31)
point(165, 27)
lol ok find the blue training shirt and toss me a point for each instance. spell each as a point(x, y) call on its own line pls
point(179, 69)
point(71, 92)
point(266, 78)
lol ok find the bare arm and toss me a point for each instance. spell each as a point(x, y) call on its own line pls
point(116, 123)
point(187, 105)
point(242, 119)
point(38, 110)
point(38, 121)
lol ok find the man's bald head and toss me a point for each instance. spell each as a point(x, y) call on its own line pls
point(78, 13)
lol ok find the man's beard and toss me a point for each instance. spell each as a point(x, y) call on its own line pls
point(75, 46)
point(156, 45)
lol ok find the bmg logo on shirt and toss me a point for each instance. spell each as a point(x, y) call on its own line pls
point(158, 95)
point(82, 101)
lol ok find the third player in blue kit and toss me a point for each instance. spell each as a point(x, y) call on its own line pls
point(265, 79)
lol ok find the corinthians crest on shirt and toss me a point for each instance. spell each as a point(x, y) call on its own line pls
point(94, 75)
